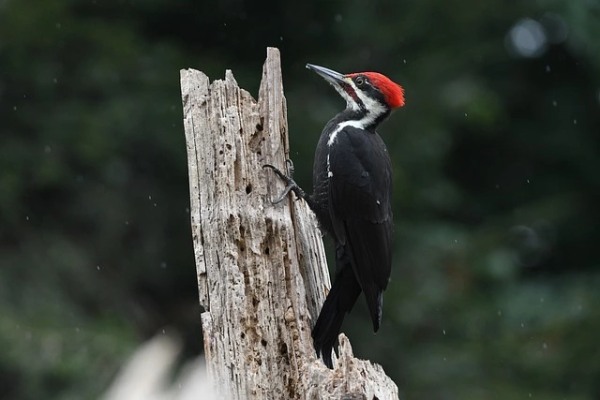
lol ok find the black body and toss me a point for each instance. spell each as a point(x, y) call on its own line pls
point(352, 201)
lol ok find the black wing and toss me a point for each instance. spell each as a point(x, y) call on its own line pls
point(360, 189)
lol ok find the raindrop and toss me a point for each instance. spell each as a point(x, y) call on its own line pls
point(466, 115)
point(499, 313)
point(404, 61)
point(126, 222)
point(55, 80)
point(548, 68)
point(528, 181)
point(574, 122)
point(522, 325)
point(541, 299)
point(187, 210)
point(47, 149)
point(281, 38)
point(58, 25)
point(163, 331)
point(98, 267)
point(545, 346)
point(163, 265)
point(155, 204)
point(444, 331)
point(555, 103)
point(14, 108)
point(338, 18)
point(27, 218)
point(149, 197)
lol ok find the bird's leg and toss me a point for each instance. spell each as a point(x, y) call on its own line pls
point(290, 184)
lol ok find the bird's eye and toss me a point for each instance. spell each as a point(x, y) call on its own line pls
point(359, 81)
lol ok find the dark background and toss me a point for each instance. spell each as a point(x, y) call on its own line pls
point(495, 288)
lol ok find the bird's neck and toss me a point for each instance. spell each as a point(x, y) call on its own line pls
point(360, 118)
point(354, 118)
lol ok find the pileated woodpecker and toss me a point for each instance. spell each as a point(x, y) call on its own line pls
point(352, 190)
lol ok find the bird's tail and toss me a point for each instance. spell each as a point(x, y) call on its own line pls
point(339, 301)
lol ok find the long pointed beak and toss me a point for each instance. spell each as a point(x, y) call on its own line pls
point(335, 78)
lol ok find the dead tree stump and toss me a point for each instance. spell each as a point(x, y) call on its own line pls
point(262, 272)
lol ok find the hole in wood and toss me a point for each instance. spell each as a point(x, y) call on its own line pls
point(249, 188)
point(283, 349)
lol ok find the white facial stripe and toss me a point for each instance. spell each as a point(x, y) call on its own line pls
point(373, 110)
point(350, 102)
point(373, 107)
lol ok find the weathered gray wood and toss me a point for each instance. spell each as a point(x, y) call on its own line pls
point(262, 272)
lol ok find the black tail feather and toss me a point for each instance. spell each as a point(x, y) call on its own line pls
point(339, 301)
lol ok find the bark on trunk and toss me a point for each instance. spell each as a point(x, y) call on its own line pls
point(262, 272)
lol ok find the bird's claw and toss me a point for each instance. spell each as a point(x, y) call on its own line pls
point(290, 184)
point(280, 174)
point(283, 195)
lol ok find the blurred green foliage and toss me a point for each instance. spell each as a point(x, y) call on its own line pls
point(494, 292)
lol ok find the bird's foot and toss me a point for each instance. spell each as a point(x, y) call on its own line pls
point(290, 184)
